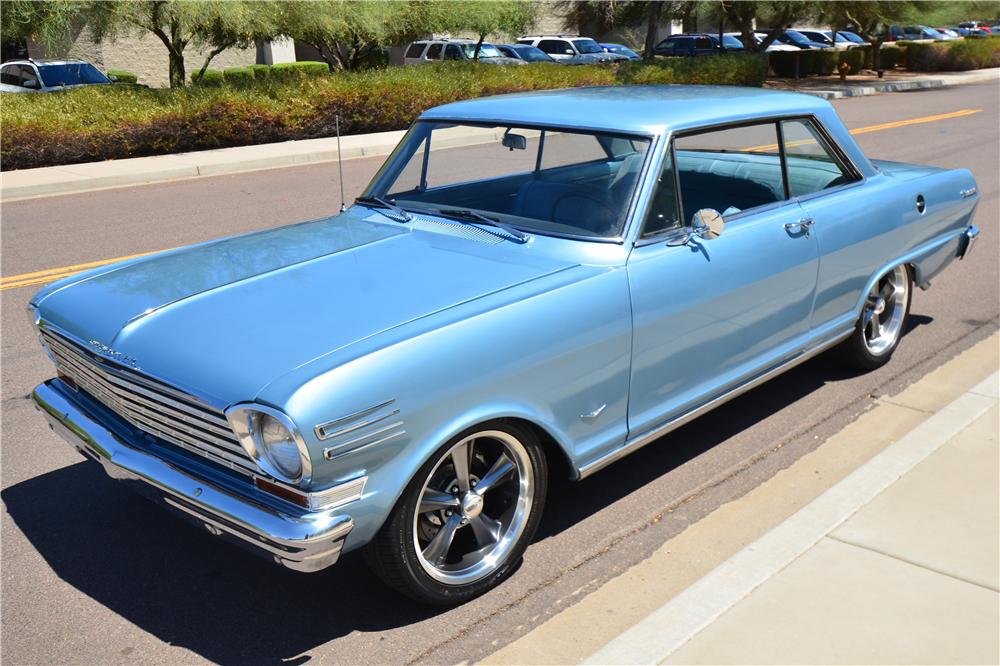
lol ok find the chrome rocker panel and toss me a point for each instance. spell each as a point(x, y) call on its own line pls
point(306, 542)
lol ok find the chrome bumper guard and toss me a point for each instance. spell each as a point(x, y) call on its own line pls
point(968, 240)
point(307, 542)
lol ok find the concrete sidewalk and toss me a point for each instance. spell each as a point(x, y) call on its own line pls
point(75, 178)
point(895, 562)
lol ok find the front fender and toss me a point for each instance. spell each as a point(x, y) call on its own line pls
point(545, 353)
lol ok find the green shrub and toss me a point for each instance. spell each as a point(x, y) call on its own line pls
point(738, 70)
point(261, 72)
point(291, 71)
point(211, 78)
point(788, 64)
point(121, 76)
point(953, 56)
point(890, 56)
point(855, 59)
point(238, 76)
point(95, 123)
point(825, 61)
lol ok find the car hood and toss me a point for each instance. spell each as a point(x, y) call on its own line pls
point(222, 319)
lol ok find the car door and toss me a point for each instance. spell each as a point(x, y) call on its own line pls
point(433, 52)
point(709, 315)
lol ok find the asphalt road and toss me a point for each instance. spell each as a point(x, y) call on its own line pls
point(93, 574)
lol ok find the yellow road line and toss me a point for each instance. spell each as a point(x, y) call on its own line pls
point(873, 128)
point(53, 274)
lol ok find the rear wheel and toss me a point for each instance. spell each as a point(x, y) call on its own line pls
point(466, 518)
point(882, 321)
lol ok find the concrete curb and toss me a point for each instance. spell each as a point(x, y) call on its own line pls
point(76, 178)
point(880, 87)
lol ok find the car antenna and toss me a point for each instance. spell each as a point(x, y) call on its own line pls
point(340, 165)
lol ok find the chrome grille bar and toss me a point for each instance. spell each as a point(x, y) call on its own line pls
point(176, 418)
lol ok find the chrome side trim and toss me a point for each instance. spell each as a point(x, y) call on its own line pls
point(331, 429)
point(346, 447)
point(677, 422)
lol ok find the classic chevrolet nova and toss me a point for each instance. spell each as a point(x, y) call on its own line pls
point(555, 276)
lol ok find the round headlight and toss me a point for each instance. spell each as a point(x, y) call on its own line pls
point(272, 440)
point(279, 446)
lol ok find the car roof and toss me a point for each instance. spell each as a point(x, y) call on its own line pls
point(49, 61)
point(646, 109)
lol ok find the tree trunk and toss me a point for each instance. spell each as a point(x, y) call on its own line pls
point(479, 45)
point(655, 10)
point(214, 52)
point(176, 68)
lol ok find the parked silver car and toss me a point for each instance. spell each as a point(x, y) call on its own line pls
point(436, 50)
point(571, 49)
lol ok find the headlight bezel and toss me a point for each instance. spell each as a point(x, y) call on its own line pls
point(243, 418)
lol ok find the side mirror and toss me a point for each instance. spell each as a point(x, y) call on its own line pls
point(30, 83)
point(113, 78)
point(514, 141)
point(707, 223)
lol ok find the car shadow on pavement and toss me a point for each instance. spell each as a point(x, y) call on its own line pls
point(173, 581)
point(165, 576)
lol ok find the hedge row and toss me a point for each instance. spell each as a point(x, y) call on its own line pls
point(110, 122)
point(953, 56)
point(251, 75)
point(121, 76)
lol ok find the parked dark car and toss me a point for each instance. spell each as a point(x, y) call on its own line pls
point(796, 38)
point(621, 49)
point(696, 44)
point(525, 52)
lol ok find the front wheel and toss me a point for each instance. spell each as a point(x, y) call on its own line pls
point(466, 518)
point(882, 321)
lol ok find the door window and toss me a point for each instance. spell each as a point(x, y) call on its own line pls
point(703, 43)
point(415, 50)
point(452, 52)
point(810, 162)
point(433, 52)
point(556, 46)
point(11, 75)
point(729, 170)
point(663, 213)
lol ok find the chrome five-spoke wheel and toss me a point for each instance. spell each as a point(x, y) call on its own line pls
point(467, 516)
point(883, 319)
point(473, 507)
point(885, 310)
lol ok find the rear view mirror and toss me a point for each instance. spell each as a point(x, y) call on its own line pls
point(514, 141)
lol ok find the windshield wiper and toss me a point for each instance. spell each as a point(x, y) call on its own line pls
point(401, 215)
point(465, 215)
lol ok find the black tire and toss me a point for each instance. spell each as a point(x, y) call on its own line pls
point(392, 554)
point(857, 350)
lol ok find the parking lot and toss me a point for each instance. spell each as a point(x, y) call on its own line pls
point(93, 574)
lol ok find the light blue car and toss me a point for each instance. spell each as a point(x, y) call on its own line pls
point(594, 268)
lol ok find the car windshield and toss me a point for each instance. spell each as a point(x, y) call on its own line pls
point(485, 51)
point(850, 36)
point(71, 74)
point(587, 46)
point(532, 54)
point(550, 181)
point(728, 41)
point(797, 37)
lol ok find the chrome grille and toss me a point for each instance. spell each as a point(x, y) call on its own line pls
point(152, 407)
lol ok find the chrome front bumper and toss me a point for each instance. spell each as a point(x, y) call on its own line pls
point(304, 542)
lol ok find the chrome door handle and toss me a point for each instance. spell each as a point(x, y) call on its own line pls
point(800, 226)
